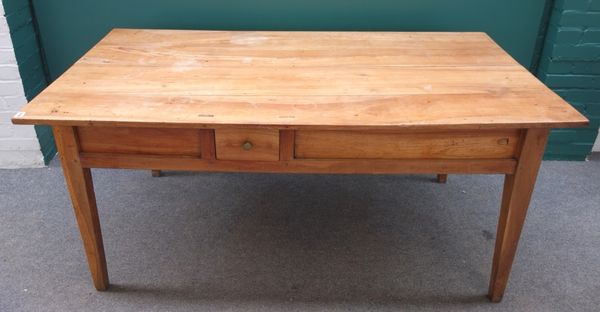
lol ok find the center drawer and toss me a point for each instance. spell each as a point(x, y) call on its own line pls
point(482, 144)
point(247, 144)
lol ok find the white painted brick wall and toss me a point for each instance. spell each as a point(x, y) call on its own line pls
point(19, 147)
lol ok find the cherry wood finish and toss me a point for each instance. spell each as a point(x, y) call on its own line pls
point(314, 80)
point(247, 144)
point(518, 188)
point(341, 166)
point(287, 139)
point(156, 173)
point(397, 145)
point(301, 102)
point(80, 186)
point(442, 178)
point(148, 141)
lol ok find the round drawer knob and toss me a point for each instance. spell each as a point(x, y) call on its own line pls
point(247, 146)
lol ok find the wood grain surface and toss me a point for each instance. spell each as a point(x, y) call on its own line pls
point(149, 141)
point(320, 80)
point(398, 145)
point(301, 102)
point(81, 189)
point(329, 166)
point(263, 144)
point(518, 188)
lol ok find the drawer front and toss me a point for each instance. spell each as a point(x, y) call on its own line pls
point(247, 144)
point(390, 145)
point(148, 141)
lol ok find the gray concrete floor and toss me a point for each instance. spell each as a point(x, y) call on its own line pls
point(269, 242)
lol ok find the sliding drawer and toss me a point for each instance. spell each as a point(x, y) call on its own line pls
point(488, 144)
point(147, 141)
point(247, 144)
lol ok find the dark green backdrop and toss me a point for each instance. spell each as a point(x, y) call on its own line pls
point(68, 28)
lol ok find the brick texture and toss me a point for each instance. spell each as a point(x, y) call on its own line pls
point(570, 65)
point(28, 56)
point(19, 146)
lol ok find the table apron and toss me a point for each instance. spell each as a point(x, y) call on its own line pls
point(298, 151)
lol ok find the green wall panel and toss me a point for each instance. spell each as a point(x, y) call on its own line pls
point(24, 36)
point(570, 65)
point(68, 28)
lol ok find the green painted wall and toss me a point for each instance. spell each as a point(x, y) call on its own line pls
point(570, 65)
point(19, 16)
point(69, 28)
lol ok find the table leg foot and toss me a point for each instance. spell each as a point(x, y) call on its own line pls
point(518, 188)
point(442, 178)
point(81, 190)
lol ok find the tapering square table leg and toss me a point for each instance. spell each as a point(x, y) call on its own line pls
point(518, 188)
point(81, 190)
point(442, 178)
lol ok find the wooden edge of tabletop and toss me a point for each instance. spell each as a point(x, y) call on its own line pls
point(32, 120)
point(573, 119)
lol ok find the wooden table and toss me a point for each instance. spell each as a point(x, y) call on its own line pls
point(301, 102)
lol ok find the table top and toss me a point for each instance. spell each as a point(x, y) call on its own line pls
point(373, 80)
